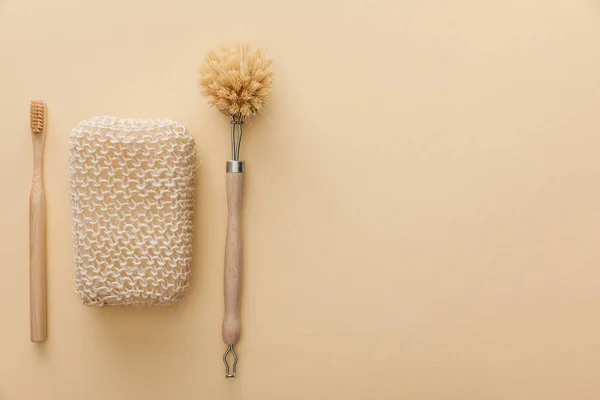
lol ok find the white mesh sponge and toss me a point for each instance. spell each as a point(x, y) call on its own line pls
point(132, 192)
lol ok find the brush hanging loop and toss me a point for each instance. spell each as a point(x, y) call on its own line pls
point(235, 360)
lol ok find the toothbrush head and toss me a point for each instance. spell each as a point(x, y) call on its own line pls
point(37, 115)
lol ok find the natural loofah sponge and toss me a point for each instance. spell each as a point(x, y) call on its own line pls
point(237, 80)
point(132, 192)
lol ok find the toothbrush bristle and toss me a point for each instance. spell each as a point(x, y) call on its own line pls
point(37, 116)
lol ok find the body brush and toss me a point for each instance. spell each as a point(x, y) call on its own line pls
point(237, 81)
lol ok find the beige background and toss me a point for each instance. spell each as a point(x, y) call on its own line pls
point(422, 208)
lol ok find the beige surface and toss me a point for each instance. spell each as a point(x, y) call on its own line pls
point(422, 212)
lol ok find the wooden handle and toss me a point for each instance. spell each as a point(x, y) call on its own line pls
point(37, 257)
point(233, 258)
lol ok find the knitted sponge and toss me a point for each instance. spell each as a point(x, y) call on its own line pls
point(132, 192)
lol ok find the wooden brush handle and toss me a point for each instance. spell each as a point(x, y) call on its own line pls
point(37, 256)
point(233, 258)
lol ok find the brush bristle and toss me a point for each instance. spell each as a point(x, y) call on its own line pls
point(36, 116)
point(237, 80)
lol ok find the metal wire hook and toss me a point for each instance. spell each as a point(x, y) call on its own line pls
point(235, 360)
point(239, 141)
point(235, 147)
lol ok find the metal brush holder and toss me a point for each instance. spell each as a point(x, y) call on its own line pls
point(236, 142)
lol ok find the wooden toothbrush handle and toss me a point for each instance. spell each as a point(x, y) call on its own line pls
point(233, 258)
point(37, 258)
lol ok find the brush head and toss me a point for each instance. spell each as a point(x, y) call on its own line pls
point(237, 80)
point(37, 114)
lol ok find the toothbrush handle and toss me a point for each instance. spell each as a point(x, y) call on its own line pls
point(37, 258)
point(233, 258)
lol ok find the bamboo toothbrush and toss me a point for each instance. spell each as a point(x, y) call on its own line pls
point(236, 80)
point(37, 226)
